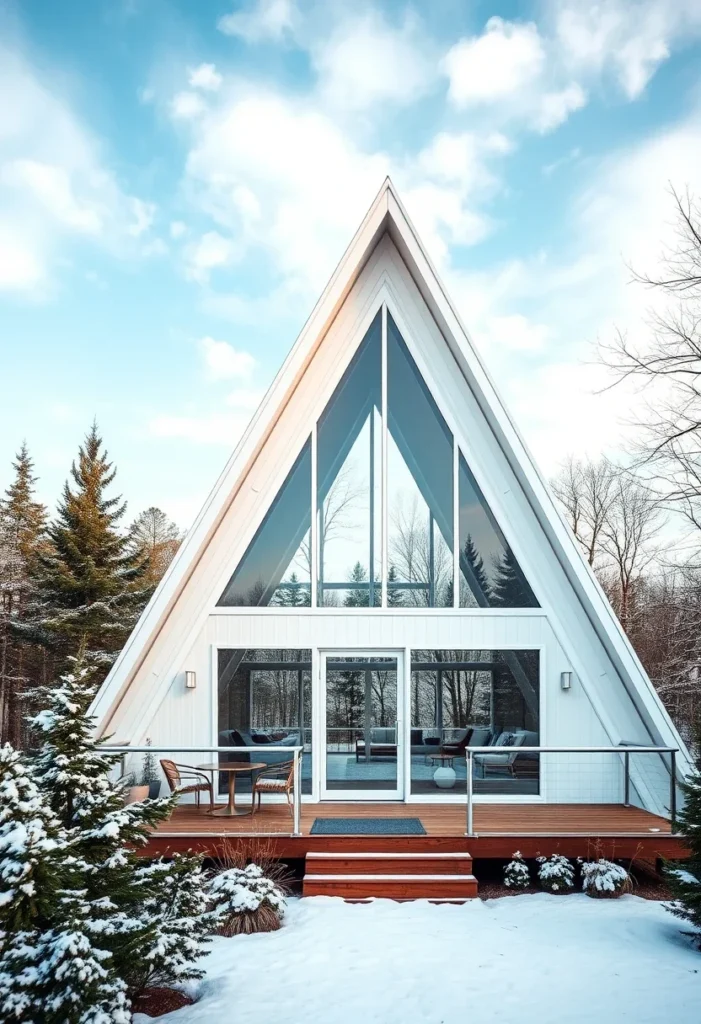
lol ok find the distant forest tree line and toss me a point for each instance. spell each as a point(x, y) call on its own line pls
point(72, 585)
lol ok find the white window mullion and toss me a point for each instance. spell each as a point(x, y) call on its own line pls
point(313, 553)
point(456, 524)
point(385, 530)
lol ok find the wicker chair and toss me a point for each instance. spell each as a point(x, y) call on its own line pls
point(278, 778)
point(179, 778)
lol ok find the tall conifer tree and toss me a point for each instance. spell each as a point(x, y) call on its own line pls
point(511, 589)
point(22, 538)
point(91, 586)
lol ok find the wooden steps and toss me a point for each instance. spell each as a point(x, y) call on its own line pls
point(396, 876)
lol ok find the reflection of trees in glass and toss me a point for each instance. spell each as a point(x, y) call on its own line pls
point(416, 560)
point(357, 596)
point(510, 589)
point(473, 566)
point(261, 694)
point(451, 697)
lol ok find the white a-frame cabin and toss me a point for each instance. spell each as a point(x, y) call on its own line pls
point(381, 578)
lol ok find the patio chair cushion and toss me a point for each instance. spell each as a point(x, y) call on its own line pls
point(271, 783)
point(480, 737)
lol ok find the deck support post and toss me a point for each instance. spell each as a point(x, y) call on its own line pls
point(626, 787)
point(468, 756)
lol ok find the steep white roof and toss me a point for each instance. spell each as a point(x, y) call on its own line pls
point(387, 215)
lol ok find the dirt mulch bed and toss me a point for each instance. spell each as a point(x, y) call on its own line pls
point(156, 1001)
point(646, 883)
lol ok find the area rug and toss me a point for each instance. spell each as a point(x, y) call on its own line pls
point(367, 827)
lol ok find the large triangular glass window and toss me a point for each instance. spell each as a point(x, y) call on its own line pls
point(349, 483)
point(490, 576)
point(275, 569)
point(419, 486)
point(428, 486)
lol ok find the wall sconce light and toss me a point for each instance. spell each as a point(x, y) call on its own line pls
point(565, 680)
point(190, 680)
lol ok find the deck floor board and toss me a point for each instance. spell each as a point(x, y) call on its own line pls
point(571, 829)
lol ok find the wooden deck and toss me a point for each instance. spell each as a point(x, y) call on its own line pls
point(534, 829)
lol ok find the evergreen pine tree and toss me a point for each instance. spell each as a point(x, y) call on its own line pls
point(395, 597)
point(90, 585)
point(50, 968)
point(59, 976)
point(176, 898)
point(479, 580)
point(32, 848)
point(22, 535)
point(360, 597)
point(121, 893)
point(685, 882)
point(511, 590)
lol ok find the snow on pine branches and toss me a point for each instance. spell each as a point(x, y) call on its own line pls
point(516, 873)
point(107, 921)
point(604, 879)
point(556, 873)
point(243, 900)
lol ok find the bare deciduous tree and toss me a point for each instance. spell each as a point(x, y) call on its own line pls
point(667, 364)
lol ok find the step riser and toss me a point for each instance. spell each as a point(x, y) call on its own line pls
point(399, 890)
point(390, 866)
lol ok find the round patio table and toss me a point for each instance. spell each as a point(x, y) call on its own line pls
point(232, 768)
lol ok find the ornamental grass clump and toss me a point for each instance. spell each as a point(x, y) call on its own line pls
point(605, 880)
point(555, 874)
point(516, 873)
point(244, 901)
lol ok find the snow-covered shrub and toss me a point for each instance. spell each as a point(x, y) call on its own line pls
point(243, 900)
point(556, 873)
point(604, 880)
point(516, 874)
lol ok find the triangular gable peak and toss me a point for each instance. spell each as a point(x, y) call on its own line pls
point(384, 284)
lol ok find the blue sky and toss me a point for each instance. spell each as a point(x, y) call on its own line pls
point(178, 180)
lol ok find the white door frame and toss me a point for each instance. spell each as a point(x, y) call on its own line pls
point(360, 795)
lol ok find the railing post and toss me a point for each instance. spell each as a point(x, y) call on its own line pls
point(673, 785)
point(297, 796)
point(468, 762)
point(626, 788)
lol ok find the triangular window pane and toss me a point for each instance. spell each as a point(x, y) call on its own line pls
point(490, 576)
point(419, 486)
point(349, 491)
point(275, 569)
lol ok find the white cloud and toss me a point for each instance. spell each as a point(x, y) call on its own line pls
point(365, 61)
point(177, 229)
point(279, 193)
point(205, 77)
point(556, 107)
point(21, 266)
point(537, 321)
point(628, 40)
point(264, 20)
point(212, 250)
point(187, 105)
point(224, 362)
point(55, 185)
point(497, 64)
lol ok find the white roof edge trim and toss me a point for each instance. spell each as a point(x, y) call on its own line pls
point(147, 628)
point(387, 212)
point(524, 466)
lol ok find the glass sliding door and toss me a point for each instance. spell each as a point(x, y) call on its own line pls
point(361, 723)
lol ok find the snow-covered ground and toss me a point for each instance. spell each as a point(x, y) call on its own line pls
point(534, 959)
